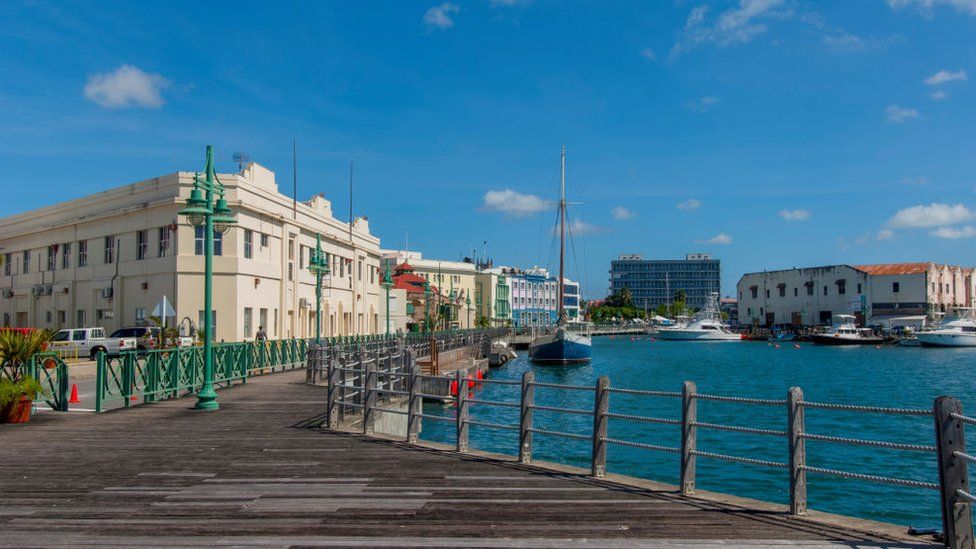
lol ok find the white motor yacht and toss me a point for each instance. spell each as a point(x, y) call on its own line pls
point(958, 330)
point(845, 332)
point(706, 326)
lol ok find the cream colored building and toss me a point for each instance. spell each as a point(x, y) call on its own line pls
point(459, 276)
point(106, 260)
point(493, 296)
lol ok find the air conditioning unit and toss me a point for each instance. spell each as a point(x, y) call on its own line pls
point(107, 293)
point(48, 289)
point(37, 290)
point(303, 303)
point(8, 292)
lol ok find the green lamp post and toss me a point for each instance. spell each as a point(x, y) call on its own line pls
point(387, 284)
point(426, 305)
point(467, 300)
point(449, 321)
point(203, 211)
point(318, 265)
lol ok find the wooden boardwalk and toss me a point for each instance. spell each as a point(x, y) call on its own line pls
point(249, 475)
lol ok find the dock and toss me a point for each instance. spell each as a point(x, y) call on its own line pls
point(254, 474)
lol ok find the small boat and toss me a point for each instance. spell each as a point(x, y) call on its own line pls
point(958, 330)
point(909, 338)
point(845, 332)
point(781, 336)
point(563, 346)
point(706, 326)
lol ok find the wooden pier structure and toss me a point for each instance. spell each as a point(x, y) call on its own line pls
point(257, 474)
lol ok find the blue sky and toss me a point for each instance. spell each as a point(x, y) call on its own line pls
point(770, 133)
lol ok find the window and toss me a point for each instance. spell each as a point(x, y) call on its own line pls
point(796, 291)
point(809, 288)
point(164, 235)
point(109, 249)
point(291, 271)
point(66, 255)
point(49, 317)
point(342, 268)
point(767, 294)
point(263, 319)
point(858, 287)
point(248, 243)
point(142, 243)
point(62, 318)
point(26, 261)
point(200, 241)
point(895, 287)
point(825, 290)
point(782, 291)
point(8, 260)
point(291, 249)
point(6, 320)
point(52, 257)
point(841, 287)
point(80, 318)
point(755, 292)
point(264, 240)
point(359, 270)
point(248, 314)
point(82, 253)
point(301, 256)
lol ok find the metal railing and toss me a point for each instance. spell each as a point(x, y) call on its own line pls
point(50, 370)
point(139, 377)
point(595, 404)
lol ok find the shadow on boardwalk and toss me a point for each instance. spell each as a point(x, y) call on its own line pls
point(165, 475)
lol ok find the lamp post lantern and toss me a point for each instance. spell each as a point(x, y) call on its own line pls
point(426, 306)
point(387, 284)
point(318, 265)
point(202, 210)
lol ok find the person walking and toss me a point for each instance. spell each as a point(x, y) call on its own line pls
point(261, 336)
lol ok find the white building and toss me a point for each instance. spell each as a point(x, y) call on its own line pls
point(447, 276)
point(106, 259)
point(877, 293)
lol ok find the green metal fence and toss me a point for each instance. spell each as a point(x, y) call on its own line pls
point(51, 371)
point(135, 377)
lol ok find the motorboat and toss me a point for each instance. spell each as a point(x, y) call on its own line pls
point(706, 326)
point(958, 330)
point(845, 332)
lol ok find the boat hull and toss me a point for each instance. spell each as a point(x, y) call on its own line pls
point(830, 339)
point(933, 339)
point(696, 335)
point(561, 348)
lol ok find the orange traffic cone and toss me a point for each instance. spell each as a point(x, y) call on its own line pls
point(74, 394)
point(479, 375)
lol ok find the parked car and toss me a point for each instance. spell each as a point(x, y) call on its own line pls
point(91, 341)
point(147, 337)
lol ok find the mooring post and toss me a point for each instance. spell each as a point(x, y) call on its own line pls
point(601, 406)
point(525, 418)
point(462, 413)
point(689, 416)
point(950, 442)
point(332, 405)
point(798, 452)
point(369, 398)
point(414, 403)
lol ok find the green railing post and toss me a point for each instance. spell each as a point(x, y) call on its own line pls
point(99, 381)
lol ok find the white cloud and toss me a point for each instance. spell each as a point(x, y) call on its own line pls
point(945, 76)
point(702, 104)
point(720, 238)
point(736, 25)
point(925, 6)
point(621, 213)
point(441, 17)
point(933, 215)
point(648, 53)
point(126, 87)
point(938, 95)
point(507, 3)
point(917, 180)
point(512, 202)
point(689, 205)
point(843, 41)
point(966, 231)
point(795, 215)
point(885, 234)
point(898, 115)
point(578, 227)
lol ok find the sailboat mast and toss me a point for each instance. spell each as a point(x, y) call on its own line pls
point(562, 228)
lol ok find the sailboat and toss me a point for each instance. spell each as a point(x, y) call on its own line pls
point(563, 346)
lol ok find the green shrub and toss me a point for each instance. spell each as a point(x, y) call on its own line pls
point(11, 391)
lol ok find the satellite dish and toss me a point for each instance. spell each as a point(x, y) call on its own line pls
point(241, 158)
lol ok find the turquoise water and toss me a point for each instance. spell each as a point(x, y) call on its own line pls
point(889, 376)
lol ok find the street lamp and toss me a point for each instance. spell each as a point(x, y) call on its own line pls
point(449, 322)
point(318, 265)
point(387, 284)
point(202, 211)
point(426, 305)
point(467, 300)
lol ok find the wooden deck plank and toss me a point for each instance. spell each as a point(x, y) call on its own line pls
point(164, 474)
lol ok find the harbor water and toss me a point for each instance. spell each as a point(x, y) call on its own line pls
point(886, 376)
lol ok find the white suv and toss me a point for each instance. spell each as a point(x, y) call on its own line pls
point(91, 341)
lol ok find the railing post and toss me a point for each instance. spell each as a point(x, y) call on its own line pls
point(128, 378)
point(369, 397)
point(63, 385)
point(689, 416)
point(332, 405)
point(414, 402)
point(525, 418)
point(462, 413)
point(601, 406)
point(950, 441)
point(797, 452)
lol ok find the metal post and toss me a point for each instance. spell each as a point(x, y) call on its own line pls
point(332, 405)
point(369, 400)
point(689, 415)
point(462, 413)
point(798, 452)
point(525, 419)
point(414, 404)
point(950, 441)
point(601, 406)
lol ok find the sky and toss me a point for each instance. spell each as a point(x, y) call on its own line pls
point(768, 133)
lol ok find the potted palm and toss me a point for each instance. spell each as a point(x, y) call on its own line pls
point(17, 387)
